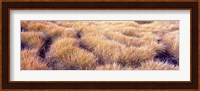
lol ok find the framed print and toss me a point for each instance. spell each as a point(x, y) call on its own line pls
point(99, 45)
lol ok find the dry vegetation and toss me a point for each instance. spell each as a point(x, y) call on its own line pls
point(99, 45)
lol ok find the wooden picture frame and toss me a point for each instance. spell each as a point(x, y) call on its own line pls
point(7, 6)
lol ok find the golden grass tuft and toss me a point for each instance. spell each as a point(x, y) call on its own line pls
point(171, 40)
point(67, 53)
point(60, 42)
point(32, 39)
point(30, 61)
point(53, 31)
point(133, 24)
point(107, 50)
point(70, 56)
point(158, 26)
point(156, 65)
point(148, 41)
point(65, 23)
point(129, 31)
point(137, 54)
point(68, 33)
point(24, 24)
point(113, 66)
point(37, 26)
point(86, 30)
point(124, 39)
point(91, 40)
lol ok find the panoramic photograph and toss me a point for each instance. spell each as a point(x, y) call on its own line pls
point(99, 45)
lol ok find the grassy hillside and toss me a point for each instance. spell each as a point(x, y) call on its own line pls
point(99, 45)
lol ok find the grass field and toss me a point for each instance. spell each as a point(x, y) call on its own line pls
point(99, 45)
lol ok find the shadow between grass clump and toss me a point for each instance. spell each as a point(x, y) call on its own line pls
point(23, 46)
point(167, 57)
point(23, 30)
point(144, 22)
point(45, 47)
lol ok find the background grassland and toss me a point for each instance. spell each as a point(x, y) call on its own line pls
point(99, 45)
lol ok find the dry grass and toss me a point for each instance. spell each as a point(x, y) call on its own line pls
point(131, 54)
point(61, 42)
point(50, 29)
point(106, 50)
point(113, 66)
point(68, 32)
point(66, 55)
point(171, 41)
point(32, 39)
point(158, 26)
point(100, 45)
point(155, 65)
point(30, 61)
point(71, 57)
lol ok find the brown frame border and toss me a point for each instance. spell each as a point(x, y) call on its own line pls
point(100, 5)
